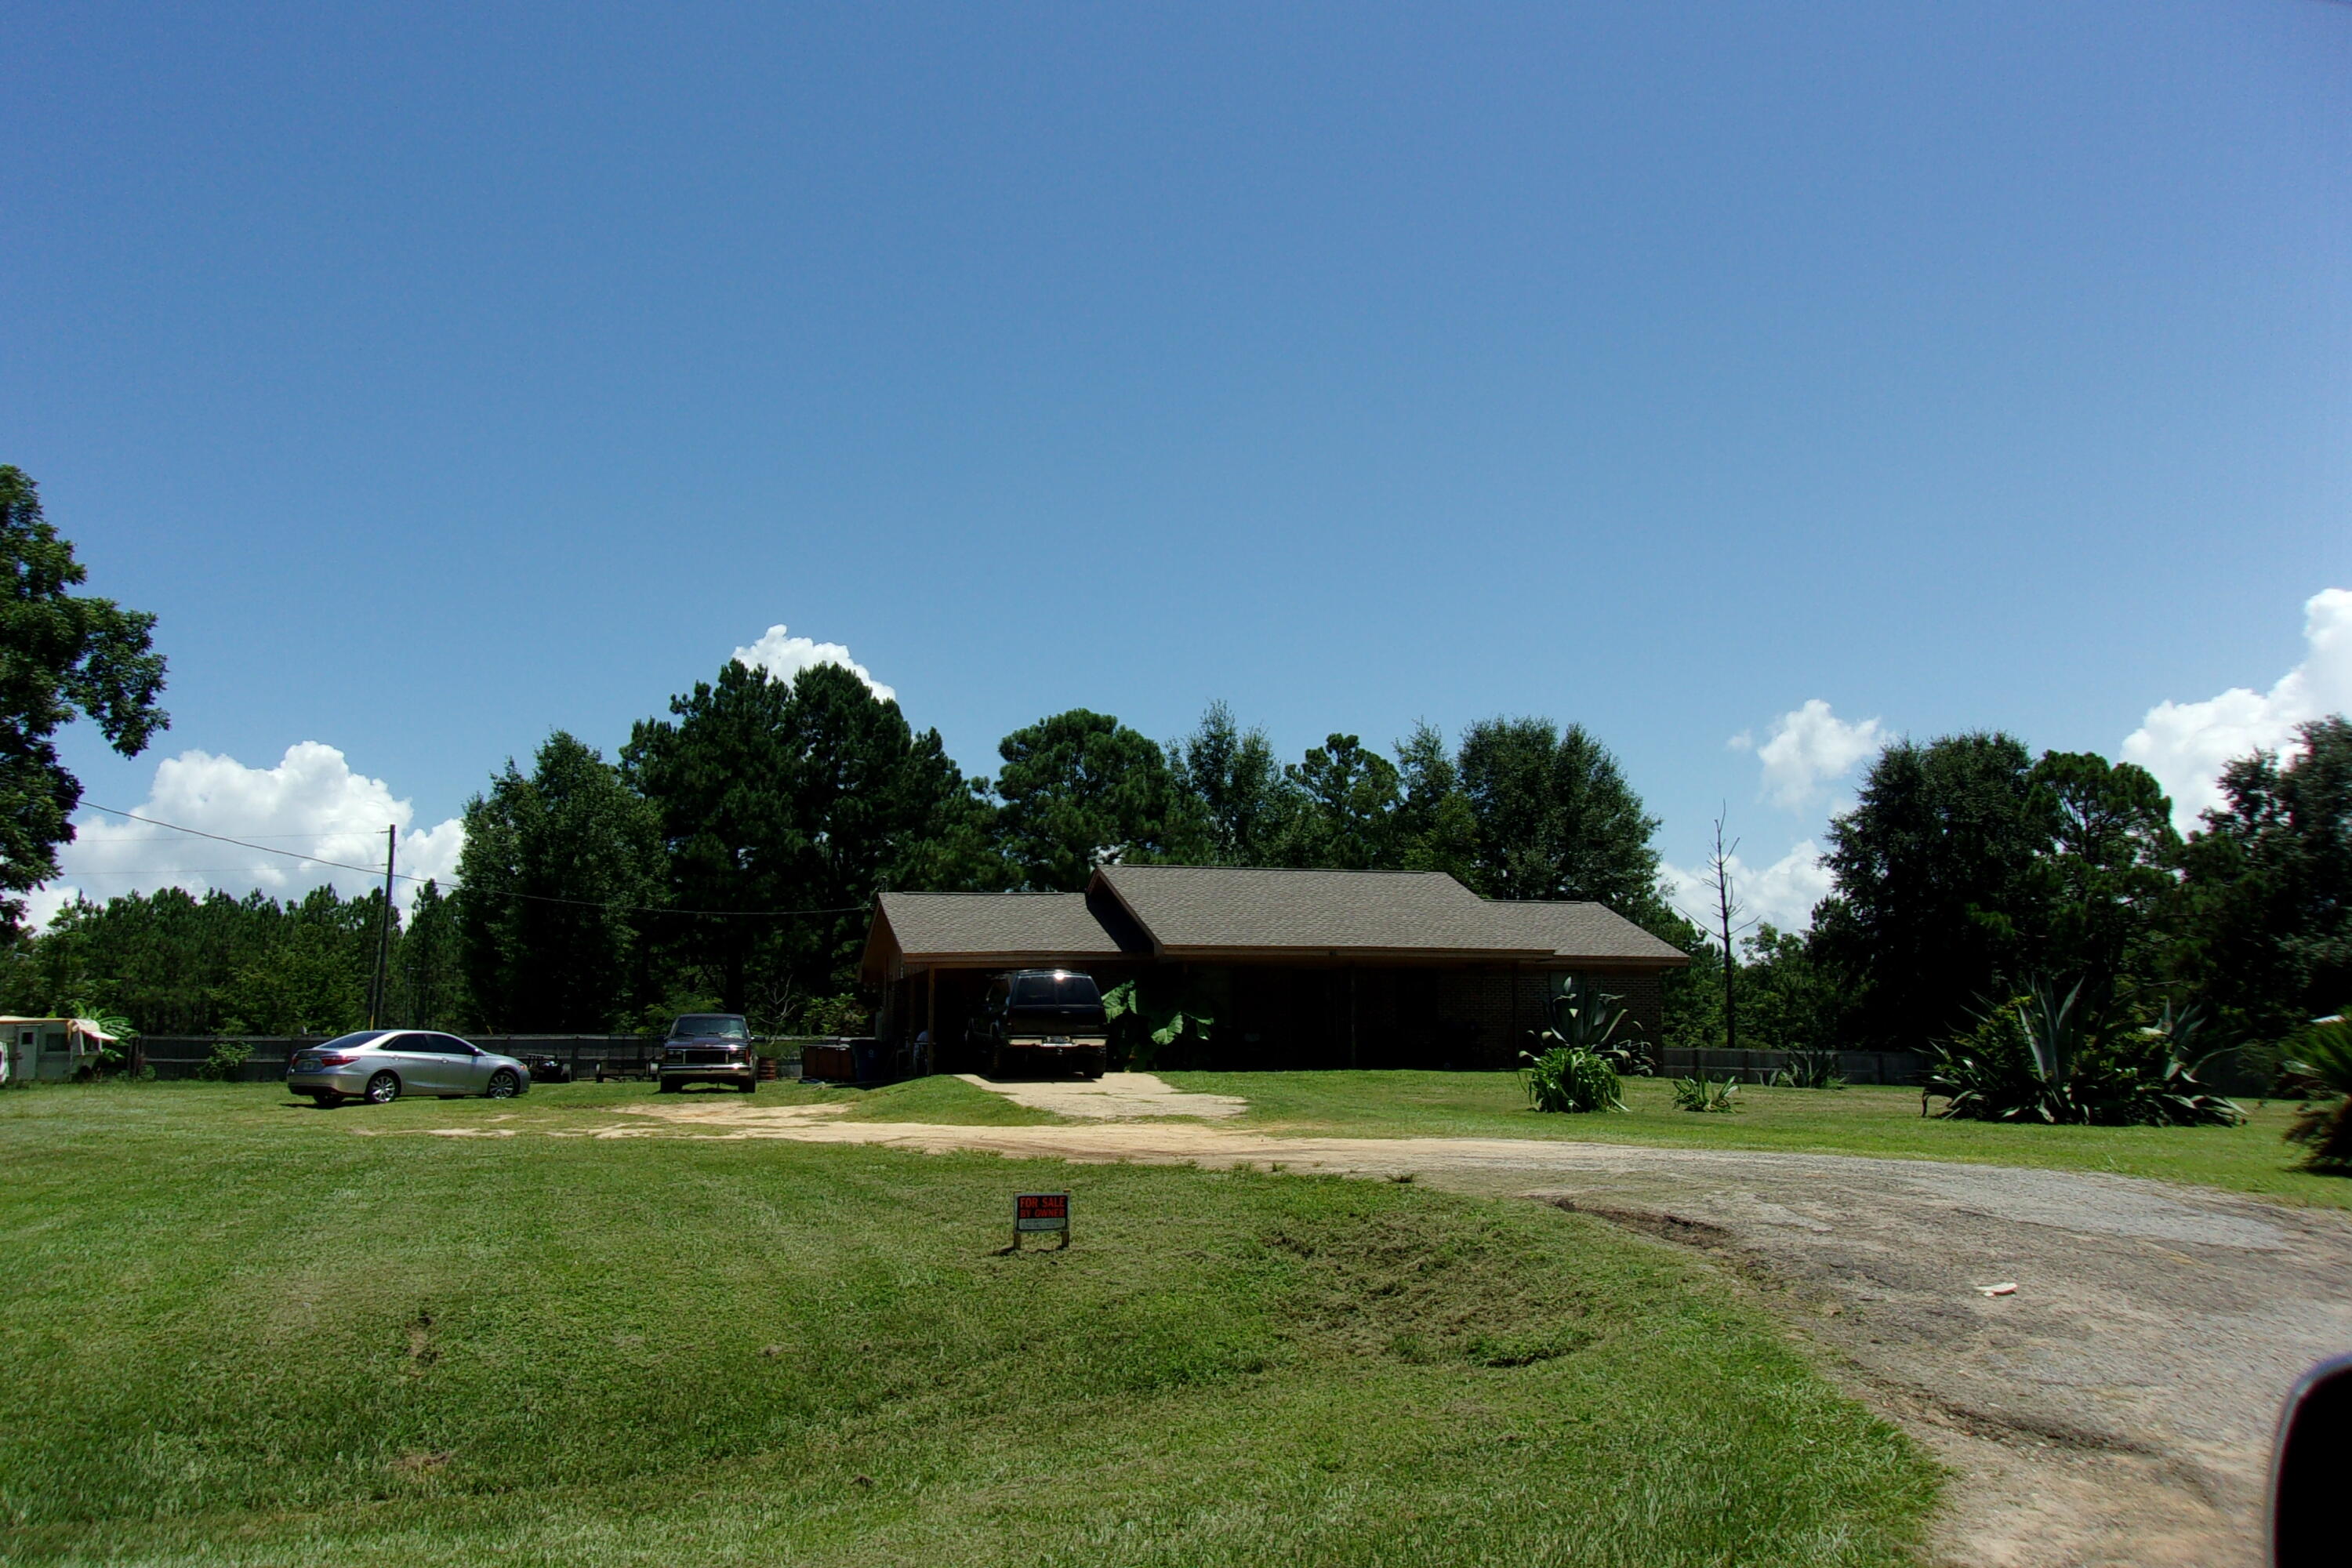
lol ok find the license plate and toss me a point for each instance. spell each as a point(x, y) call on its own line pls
point(307, 1064)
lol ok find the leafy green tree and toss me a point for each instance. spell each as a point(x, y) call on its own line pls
point(1081, 790)
point(2108, 878)
point(1786, 1003)
point(428, 968)
point(2267, 933)
point(60, 654)
point(808, 796)
point(1239, 796)
point(1346, 815)
point(305, 983)
point(1436, 829)
point(555, 868)
point(1555, 817)
point(1940, 895)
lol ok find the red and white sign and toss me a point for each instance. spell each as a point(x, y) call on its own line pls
point(1041, 1210)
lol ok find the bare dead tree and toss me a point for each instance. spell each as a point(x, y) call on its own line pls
point(1724, 921)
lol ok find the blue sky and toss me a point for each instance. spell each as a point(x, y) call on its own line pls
point(441, 377)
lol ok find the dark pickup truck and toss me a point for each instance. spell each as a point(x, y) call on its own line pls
point(1040, 1020)
point(708, 1047)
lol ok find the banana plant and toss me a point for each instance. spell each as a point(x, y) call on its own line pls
point(1164, 1021)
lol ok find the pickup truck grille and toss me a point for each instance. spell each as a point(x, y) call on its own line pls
point(697, 1056)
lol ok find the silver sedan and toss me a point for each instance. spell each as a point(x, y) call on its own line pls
point(379, 1066)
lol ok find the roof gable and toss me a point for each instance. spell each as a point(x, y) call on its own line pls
point(996, 927)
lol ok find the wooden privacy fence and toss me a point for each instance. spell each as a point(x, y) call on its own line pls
point(191, 1056)
point(1758, 1066)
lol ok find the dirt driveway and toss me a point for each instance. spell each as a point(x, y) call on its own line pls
point(1112, 1096)
point(2114, 1409)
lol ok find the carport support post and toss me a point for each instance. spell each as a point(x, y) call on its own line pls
point(1351, 1018)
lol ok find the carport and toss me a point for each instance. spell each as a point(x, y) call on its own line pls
point(1302, 968)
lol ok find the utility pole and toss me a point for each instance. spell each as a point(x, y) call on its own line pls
point(384, 932)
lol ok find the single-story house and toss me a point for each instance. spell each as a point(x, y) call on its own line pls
point(51, 1048)
point(1298, 969)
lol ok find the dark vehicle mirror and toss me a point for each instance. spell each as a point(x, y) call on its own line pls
point(2308, 1526)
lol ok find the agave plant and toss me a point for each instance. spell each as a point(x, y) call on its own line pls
point(1704, 1091)
point(2037, 1059)
point(2167, 1093)
point(1563, 1080)
point(1810, 1069)
point(2323, 1059)
point(1586, 1018)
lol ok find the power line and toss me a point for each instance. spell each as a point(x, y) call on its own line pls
point(502, 892)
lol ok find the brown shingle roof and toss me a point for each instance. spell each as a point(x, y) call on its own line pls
point(1248, 913)
point(1582, 930)
point(957, 925)
point(1203, 909)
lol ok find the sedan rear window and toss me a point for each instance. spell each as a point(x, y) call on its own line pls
point(349, 1042)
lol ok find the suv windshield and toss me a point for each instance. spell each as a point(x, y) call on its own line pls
point(722, 1024)
point(1055, 990)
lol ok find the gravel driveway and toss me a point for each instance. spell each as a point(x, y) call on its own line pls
point(2114, 1409)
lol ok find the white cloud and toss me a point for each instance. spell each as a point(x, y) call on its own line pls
point(784, 656)
point(1806, 748)
point(2184, 744)
point(1782, 893)
point(311, 802)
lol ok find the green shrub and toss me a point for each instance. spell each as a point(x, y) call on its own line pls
point(2039, 1058)
point(1810, 1069)
point(842, 1017)
point(1563, 1080)
point(2321, 1058)
point(226, 1058)
point(1707, 1092)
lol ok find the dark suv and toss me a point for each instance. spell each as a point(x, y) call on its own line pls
point(708, 1047)
point(1040, 1020)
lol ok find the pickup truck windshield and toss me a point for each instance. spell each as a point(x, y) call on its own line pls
point(704, 1025)
point(1055, 990)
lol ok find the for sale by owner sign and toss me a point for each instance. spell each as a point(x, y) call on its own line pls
point(1041, 1210)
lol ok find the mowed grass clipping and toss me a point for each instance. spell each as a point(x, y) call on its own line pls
point(1862, 1119)
point(238, 1330)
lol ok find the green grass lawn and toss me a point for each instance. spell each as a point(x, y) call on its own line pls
point(1860, 1119)
point(232, 1329)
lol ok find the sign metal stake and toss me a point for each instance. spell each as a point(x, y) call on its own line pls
point(1041, 1211)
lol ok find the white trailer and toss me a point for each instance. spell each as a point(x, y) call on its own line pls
point(48, 1050)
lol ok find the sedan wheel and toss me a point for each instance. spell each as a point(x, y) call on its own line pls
point(383, 1089)
point(503, 1085)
